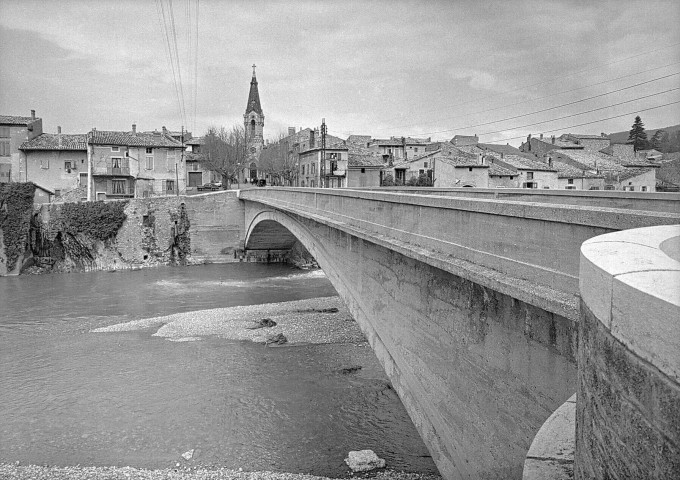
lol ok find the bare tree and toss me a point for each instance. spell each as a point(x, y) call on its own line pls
point(225, 152)
point(279, 160)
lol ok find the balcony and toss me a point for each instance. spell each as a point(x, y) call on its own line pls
point(121, 168)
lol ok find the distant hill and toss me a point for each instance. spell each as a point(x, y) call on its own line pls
point(622, 137)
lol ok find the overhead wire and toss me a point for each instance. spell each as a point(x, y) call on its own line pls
point(524, 102)
point(176, 51)
point(556, 106)
point(164, 32)
point(586, 123)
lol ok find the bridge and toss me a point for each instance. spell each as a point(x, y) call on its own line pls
point(472, 300)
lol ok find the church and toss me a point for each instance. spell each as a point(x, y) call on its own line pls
point(253, 122)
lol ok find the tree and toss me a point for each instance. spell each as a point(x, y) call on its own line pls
point(226, 152)
point(637, 135)
point(659, 138)
point(278, 159)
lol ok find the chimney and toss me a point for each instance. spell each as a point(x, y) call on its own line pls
point(32, 114)
point(291, 131)
point(165, 130)
point(58, 129)
point(59, 134)
point(312, 134)
point(552, 139)
point(480, 158)
point(540, 136)
point(502, 155)
point(550, 161)
point(134, 128)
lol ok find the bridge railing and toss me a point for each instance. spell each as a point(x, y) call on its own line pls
point(529, 241)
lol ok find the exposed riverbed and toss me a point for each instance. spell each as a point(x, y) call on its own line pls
point(91, 376)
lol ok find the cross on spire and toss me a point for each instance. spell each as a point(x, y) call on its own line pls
point(253, 69)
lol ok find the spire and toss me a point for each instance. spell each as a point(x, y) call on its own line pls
point(253, 97)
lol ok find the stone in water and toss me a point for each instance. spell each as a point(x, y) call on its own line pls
point(188, 455)
point(364, 460)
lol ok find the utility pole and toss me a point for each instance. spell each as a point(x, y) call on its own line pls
point(322, 170)
point(181, 160)
point(89, 167)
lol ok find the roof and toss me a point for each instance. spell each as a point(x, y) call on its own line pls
point(562, 144)
point(459, 161)
point(504, 149)
point(359, 139)
point(253, 97)
point(195, 141)
point(130, 139)
point(496, 170)
point(363, 160)
point(604, 163)
point(56, 141)
point(16, 120)
point(564, 170)
point(523, 163)
point(582, 136)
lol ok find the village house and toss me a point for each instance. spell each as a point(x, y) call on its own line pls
point(502, 177)
point(530, 173)
point(590, 143)
point(364, 169)
point(198, 173)
point(57, 162)
point(570, 177)
point(619, 174)
point(538, 147)
point(310, 165)
point(134, 164)
point(464, 140)
point(399, 148)
point(14, 131)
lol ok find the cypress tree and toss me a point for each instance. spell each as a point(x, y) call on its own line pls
point(637, 135)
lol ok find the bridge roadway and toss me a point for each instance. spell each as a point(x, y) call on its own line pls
point(470, 302)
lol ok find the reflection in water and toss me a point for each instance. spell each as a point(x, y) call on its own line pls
point(71, 397)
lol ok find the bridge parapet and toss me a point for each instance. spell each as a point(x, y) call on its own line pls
point(628, 396)
point(529, 250)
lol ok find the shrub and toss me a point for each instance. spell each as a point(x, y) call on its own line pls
point(16, 208)
point(97, 220)
point(388, 181)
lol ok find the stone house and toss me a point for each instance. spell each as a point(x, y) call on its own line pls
point(538, 147)
point(570, 177)
point(590, 143)
point(400, 148)
point(463, 140)
point(530, 173)
point(198, 173)
point(57, 162)
point(502, 177)
point(14, 131)
point(310, 165)
point(134, 164)
point(619, 174)
point(364, 170)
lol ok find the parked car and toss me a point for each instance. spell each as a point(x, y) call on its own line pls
point(210, 186)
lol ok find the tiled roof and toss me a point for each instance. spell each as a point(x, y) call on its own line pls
point(565, 170)
point(56, 141)
point(504, 149)
point(15, 120)
point(496, 170)
point(562, 144)
point(630, 173)
point(585, 136)
point(458, 161)
point(361, 139)
point(195, 141)
point(362, 160)
point(102, 137)
point(525, 163)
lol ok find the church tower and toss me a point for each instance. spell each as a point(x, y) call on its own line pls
point(253, 120)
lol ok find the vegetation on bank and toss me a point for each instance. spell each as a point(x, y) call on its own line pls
point(16, 208)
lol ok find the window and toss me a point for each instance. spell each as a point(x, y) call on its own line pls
point(169, 185)
point(363, 170)
point(118, 187)
point(115, 149)
point(530, 175)
point(45, 163)
point(570, 181)
point(4, 148)
point(421, 172)
point(4, 132)
point(469, 169)
point(424, 164)
point(416, 149)
point(170, 160)
point(149, 151)
point(68, 165)
point(643, 189)
point(149, 162)
point(313, 168)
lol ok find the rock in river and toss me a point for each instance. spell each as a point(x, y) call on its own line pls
point(364, 460)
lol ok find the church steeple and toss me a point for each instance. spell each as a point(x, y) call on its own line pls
point(253, 97)
point(253, 120)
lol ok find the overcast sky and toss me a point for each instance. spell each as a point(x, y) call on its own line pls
point(368, 67)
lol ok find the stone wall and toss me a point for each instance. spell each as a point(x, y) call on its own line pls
point(628, 398)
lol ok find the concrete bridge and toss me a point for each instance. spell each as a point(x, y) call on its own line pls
point(469, 298)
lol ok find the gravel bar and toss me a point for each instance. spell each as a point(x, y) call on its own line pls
point(38, 472)
point(301, 321)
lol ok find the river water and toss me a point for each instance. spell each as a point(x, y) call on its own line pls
point(69, 396)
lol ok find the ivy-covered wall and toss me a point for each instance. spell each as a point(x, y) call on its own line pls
point(16, 207)
point(110, 235)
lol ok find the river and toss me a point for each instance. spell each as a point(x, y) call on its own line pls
point(69, 396)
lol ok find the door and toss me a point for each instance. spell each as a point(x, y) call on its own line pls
point(195, 179)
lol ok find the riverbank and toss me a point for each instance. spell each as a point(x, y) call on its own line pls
point(36, 472)
point(317, 320)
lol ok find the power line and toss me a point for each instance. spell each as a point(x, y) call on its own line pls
point(523, 102)
point(561, 77)
point(196, 65)
point(586, 123)
point(164, 32)
point(558, 106)
point(179, 70)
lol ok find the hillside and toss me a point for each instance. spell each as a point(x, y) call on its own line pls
point(622, 137)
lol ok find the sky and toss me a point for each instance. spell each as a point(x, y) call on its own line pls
point(498, 69)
